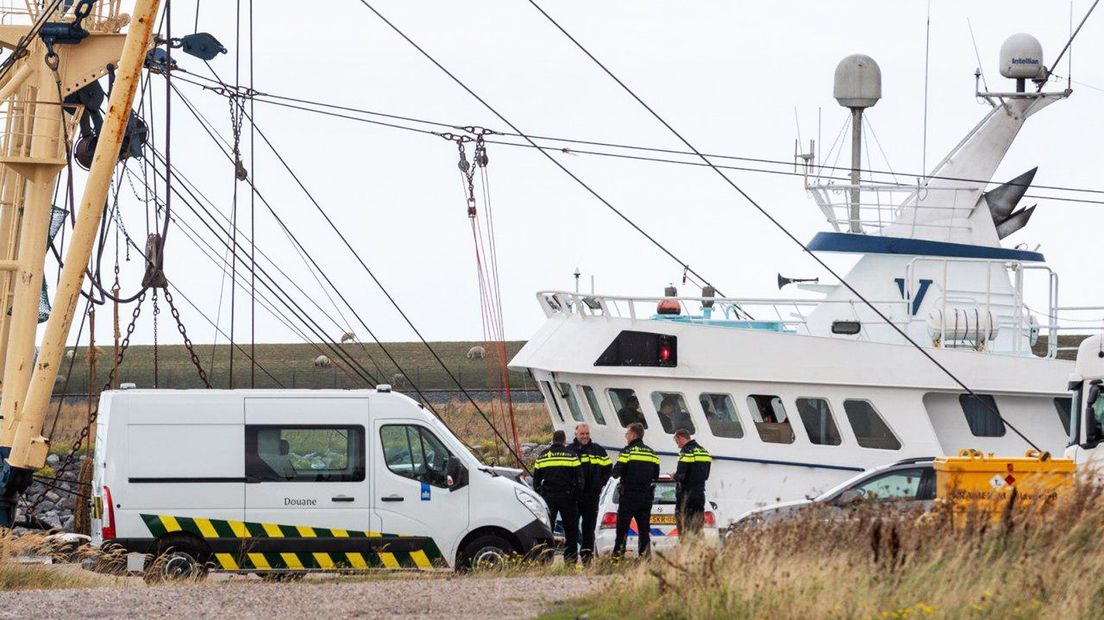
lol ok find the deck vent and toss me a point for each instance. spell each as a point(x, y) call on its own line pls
point(846, 328)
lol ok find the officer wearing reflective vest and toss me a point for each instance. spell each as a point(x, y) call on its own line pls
point(637, 468)
point(694, 463)
point(558, 477)
point(596, 467)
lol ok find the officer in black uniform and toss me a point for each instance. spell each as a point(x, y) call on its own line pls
point(558, 477)
point(693, 470)
point(637, 468)
point(596, 466)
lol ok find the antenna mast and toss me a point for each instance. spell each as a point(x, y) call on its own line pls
point(858, 85)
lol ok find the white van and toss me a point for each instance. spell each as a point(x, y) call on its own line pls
point(298, 480)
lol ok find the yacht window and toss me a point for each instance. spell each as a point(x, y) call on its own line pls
point(720, 413)
point(870, 429)
point(672, 411)
point(816, 415)
point(1064, 406)
point(592, 401)
point(770, 419)
point(550, 400)
point(572, 402)
point(627, 406)
point(981, 415)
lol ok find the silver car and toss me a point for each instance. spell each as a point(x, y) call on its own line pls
point(906, 485)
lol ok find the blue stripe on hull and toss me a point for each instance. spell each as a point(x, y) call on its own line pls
point(873, 244)
point(742, 459)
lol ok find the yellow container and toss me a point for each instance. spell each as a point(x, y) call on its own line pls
point(974, 481)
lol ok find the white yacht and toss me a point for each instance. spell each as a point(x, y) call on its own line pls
point(808, 392)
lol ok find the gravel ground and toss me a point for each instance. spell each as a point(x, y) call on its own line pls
point(455, 597)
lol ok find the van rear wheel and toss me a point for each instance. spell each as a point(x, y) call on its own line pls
point(176, 559)
point(487, 551)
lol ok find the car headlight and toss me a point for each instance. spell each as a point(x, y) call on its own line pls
point(535, 506)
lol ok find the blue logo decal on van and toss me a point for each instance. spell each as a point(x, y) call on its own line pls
point(425, 491)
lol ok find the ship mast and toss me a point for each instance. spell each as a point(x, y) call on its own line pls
point(62, 50)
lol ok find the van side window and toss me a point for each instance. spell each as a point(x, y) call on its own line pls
point(550, 400)
point(720, 413)
point(304, 453)
point(816, 415)
point(871, 431)
point(595, 408)
point(627, 406)
point(572, 402)
point(981, 414)
point(770, 418)
point(414, 452)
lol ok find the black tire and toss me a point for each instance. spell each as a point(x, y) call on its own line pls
point(486, 551)
point(177, 559)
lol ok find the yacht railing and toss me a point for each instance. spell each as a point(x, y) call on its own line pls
point(782, 315)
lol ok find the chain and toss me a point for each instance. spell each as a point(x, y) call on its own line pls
point(187, 341)
point(237, 112)
point(67, 460)
point(467, 171)
point(156, 369)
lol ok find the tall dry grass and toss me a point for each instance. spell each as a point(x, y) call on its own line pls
point(17, 573)
point(875, 564)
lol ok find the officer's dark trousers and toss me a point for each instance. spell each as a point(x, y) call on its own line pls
point(640, 509)
point(565, 506)
point(588, 512)
point(691, 512)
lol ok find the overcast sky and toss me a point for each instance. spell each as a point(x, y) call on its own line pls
point(728, 75)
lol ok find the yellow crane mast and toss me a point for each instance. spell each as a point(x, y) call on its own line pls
point(66, 45)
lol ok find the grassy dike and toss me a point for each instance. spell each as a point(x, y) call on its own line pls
point(1043, 564)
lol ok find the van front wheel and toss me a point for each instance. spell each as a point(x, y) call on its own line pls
point(176, 560)
point(487, 551)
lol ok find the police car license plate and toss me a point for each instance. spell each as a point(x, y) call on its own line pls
point(663, 519)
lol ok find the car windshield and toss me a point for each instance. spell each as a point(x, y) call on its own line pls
point(664, 493)
point(854, 481)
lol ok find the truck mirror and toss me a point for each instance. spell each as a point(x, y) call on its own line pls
point(1094, 393)
point(457, 473)
point(848, 497)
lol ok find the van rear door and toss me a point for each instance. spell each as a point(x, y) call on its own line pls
point(305, 462)
point(412, 498)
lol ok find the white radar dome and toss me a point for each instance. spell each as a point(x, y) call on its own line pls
point(1021, 57)
point(858, 82)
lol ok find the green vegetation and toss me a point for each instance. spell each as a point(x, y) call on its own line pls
point(290, 365)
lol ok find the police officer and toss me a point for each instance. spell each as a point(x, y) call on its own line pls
point(596, 467)
point(638, 468)
point(693, 470)
point(558, 477)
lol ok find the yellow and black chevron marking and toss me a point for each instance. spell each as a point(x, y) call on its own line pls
point(241, 545)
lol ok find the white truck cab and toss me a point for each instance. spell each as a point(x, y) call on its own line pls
point(298, 480)
point(1086, 424)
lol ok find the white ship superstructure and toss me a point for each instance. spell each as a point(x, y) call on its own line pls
point(808, 392)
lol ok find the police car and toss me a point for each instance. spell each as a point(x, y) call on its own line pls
point(664, 530)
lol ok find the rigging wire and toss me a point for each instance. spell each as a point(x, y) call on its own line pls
point(781, 227)
point(371, 274)
point(222, 89)
point(213, 134)
point(279, 292)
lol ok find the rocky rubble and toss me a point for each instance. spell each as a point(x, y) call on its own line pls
point(54, 502)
